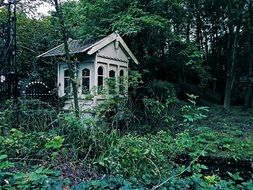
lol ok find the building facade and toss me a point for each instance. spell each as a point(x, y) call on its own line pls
point(101, 69)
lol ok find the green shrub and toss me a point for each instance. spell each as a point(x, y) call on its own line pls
point(37, 178)
point(158, 113)
point(160, 105)
point(30, 145)
point(23, 144)
point(144, 157)
point(83, 136)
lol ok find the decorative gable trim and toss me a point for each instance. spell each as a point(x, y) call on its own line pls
point(112, 58)
point(128, 50)
point(104, 42)
point(113, 37)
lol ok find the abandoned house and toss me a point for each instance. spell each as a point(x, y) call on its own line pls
point(97, 61)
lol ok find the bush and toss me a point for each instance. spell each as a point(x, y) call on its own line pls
point(84, 137)
point(145, 157)
point(25, 145)
point(35, 178)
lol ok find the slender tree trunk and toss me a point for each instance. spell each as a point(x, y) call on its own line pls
point(71, 67)
point(228, 90)
point(206, 46)
point(231, 71)
point(188, 29)
point(248, 94)
point(247, 97)
point(198, 31)
point(232, 59)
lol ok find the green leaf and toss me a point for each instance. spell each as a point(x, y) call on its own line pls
point(3, 157)
point(55, 143)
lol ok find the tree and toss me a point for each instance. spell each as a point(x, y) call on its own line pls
point(178, 41)
point(71, 68)
point(235, 11)
point(249, 46)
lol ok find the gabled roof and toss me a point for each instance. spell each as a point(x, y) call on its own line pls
point(90, 46)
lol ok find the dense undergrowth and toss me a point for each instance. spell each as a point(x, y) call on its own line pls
point(122, 147)
point(227, 134)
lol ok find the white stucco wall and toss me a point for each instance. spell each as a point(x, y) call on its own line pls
point(111, 51)
point(110, 58)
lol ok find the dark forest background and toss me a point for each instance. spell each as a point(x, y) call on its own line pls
point(186, 123)
point(202, 46)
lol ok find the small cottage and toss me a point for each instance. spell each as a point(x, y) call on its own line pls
point(101, 69)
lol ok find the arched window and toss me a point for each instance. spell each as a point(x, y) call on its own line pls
point(121, 82)
point(112, 82)
point(85, 81)
point(100, 79)
point(66, 85)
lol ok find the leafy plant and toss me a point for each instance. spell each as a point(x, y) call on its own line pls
point(212, 179)
point(4, 163)
point(106, 183)
point(192, 112)
point(19, 143)
point(160, 108)
point(55, 143)
point(39, 178)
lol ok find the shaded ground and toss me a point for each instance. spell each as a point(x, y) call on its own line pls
point(225, 134)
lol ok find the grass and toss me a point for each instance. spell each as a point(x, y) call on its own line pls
point(226, 134)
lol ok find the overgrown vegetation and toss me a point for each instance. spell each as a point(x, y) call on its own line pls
point(190, 53)
point(60, 151)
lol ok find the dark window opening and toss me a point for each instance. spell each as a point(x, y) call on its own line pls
point(112, 82)
point(121, 82)
point(67, 86)
point(100, 79)
point(85, 81)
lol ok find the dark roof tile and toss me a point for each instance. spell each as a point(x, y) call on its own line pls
point(75, 46)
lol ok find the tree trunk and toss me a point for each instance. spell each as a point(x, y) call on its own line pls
point(206, 46)
point(231, 60)
point(230, 72)
point(198, 31)
point(71, 67)
point(188, 27)
point(248, 94)
point(247, 98)
point(228, 90)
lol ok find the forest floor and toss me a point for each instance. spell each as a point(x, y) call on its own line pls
point(224, 134)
